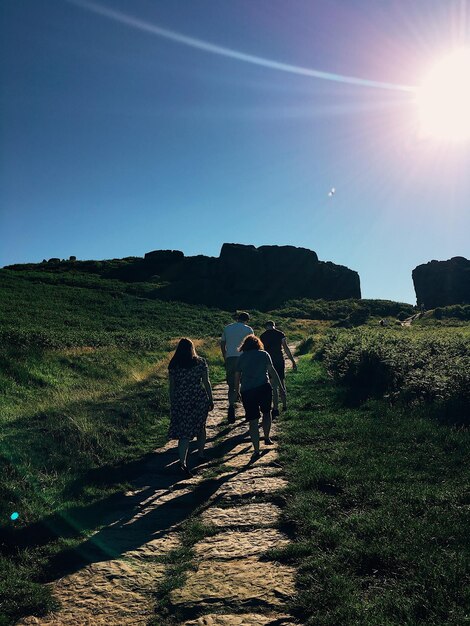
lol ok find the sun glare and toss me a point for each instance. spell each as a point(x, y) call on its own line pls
point(444, 98)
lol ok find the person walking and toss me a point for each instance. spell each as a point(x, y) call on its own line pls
point(275, 344)
point(232, 337)
point(190, 398)
point(255, 372)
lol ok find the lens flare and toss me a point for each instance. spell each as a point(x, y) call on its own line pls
point(443, 98)
point(230, 53)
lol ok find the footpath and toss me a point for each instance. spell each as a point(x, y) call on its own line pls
point(233, 583)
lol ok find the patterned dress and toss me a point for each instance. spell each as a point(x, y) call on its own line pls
point(190, 404)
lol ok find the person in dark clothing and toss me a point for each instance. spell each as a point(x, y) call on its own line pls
point(190, 399)
point(256, 373)
point(275, 344)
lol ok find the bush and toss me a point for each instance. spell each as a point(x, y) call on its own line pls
point(305, 346)
point(342, 309)
point(402, 315)
point(422, 365)
point(458, 311)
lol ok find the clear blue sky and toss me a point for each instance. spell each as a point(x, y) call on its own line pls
point(117, 139)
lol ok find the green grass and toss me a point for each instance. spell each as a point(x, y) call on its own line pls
point(36, 311)
point(48, 310)
point(411, 364)
point(341, 309)
point(377, 508)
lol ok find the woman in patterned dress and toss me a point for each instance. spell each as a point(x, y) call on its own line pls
point(190, 398)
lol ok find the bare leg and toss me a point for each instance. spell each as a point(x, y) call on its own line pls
point(254, 434)
point(266, 425)
point(275, 398)
point(230, 366)
point(232, 394)
point(183, 445)
point(201, 441)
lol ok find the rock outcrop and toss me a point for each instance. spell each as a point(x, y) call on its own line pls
point(241, 277)
point(249, 277)
point(442, 283)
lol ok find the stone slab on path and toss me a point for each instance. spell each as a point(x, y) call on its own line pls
point(237, 545)
point(245, 619)
point(155, 548)
point(250, 488)
point(247, 581)
point(247, 515)
point(240, 454)
point(112, 593)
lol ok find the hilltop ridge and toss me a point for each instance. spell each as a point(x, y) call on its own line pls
point(243, 276)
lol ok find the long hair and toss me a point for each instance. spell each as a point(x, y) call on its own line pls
point(185, 355)
point(251, 342)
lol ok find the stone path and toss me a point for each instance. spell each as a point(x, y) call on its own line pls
point(113, 581)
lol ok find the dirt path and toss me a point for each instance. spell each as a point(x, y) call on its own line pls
point(113, 578)
point(410, 320)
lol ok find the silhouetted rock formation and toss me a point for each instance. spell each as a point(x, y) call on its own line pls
point(242, 277)
point(245, 276)
point(442, 283)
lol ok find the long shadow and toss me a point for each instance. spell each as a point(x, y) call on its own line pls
point(49, 440)
point(49, 435)
point(39, 439)
point(126, 522)
point(72, 521)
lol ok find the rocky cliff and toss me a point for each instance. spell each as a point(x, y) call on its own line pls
point(442, 283)
point(241, 277)
point(248, 277)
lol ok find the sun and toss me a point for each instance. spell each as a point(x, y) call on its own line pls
point(443, 98)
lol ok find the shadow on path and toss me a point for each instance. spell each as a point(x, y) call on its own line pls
point(159, 500)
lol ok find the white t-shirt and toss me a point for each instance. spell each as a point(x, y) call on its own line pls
point(233, 335)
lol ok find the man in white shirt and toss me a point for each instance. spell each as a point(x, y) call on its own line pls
point(232, 337)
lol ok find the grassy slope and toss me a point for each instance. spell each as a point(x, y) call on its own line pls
point(76, 310)
point(83, 392)
point(84, 369)
point(378, 509)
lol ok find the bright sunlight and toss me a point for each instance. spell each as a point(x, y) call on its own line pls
point(444, 98)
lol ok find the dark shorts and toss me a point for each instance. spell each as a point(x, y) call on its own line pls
point(256, 399)
point(280, 367)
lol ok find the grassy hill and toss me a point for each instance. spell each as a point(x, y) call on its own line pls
point(83, 402)
point(74, 309)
